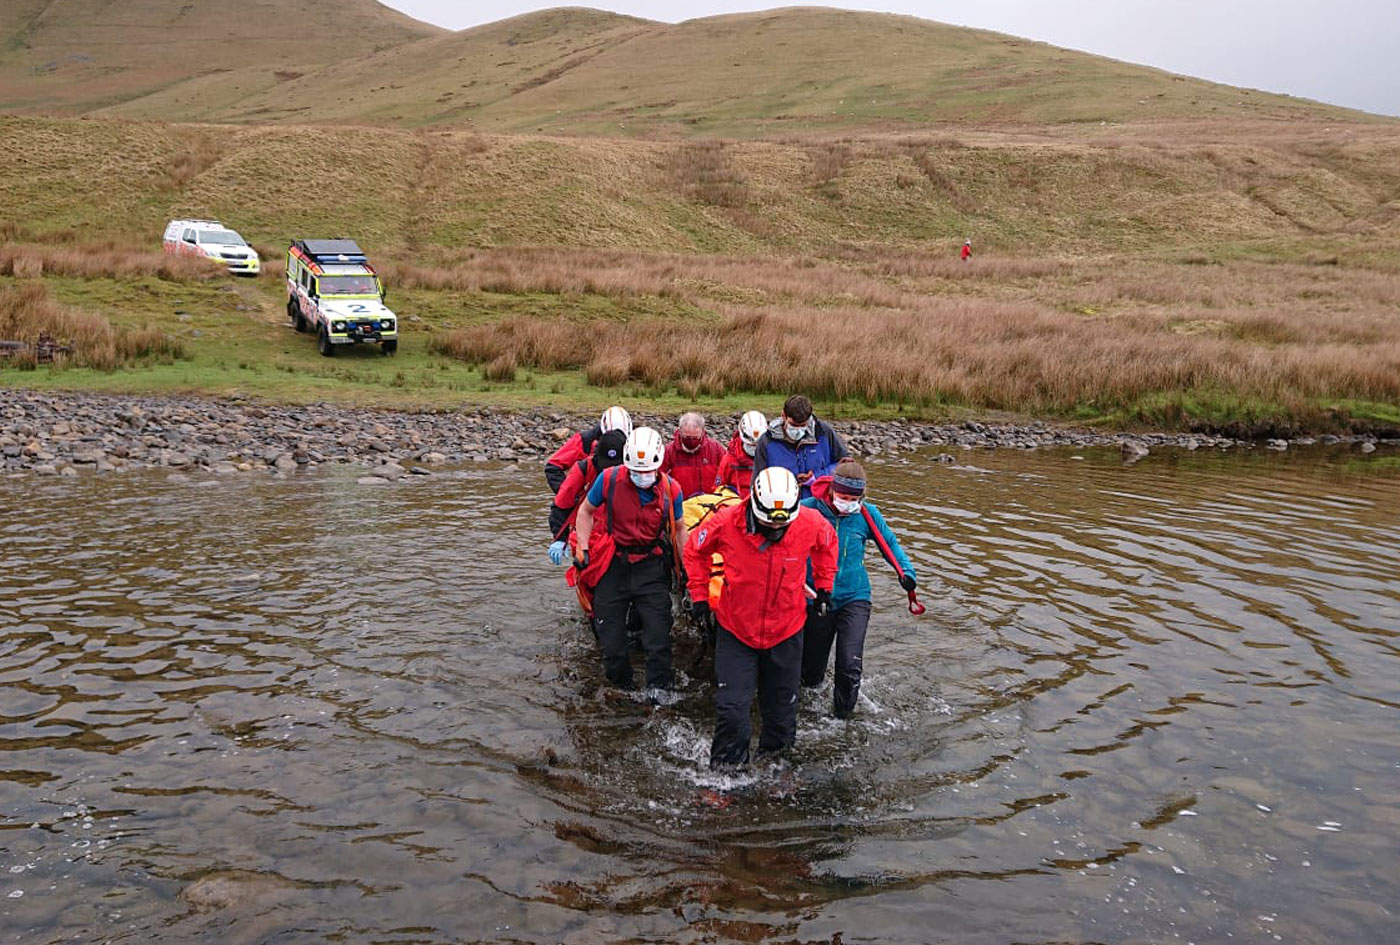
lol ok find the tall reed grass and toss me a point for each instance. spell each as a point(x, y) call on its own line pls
point(1064, 336)
point(704, 172)
point(26, 311)
point(104, 261)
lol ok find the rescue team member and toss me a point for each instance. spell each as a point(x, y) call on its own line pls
point(966, 253)
point(841, 501)
point(693, 457)
point(767, 547)
point(801, 443)
point(642, 511)
point(607, 452)
point(736, 469)
point(580, 445)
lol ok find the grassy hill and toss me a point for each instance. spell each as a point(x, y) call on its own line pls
point(1241, 276)
point(716, 212)
point(77, 56)
point(793, 71)
point(1238, 188)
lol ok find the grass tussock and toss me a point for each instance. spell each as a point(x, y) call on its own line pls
point(27, 311)
point(199, 152)
point(1054, 356)
point(704, 172)
point(102, 261)
point(829, 160)
point(620, 274)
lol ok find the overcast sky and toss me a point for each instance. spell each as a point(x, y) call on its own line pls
point(1346, 52)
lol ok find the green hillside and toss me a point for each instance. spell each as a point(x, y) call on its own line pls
point(441, 191)
point(77, 56)
point(791, 71)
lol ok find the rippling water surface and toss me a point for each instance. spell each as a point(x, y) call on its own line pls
point(1147, 704)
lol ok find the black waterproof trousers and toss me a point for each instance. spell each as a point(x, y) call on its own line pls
point(739, 670)
point(845, 627)
point(645, 587)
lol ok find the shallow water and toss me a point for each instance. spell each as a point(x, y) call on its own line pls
point(1147, 704)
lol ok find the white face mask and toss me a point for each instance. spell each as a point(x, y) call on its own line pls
point(795, 433)
point(750, 448)
point(845, 506)
point(642, 480)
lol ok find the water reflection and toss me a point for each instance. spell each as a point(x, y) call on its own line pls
point(1147, 701)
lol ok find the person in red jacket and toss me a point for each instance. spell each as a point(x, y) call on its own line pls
point(640, 514)
point(693, 457)
point(966, 253)
point(736, 469)
point(766, 546)
point(607, 452)
point(580, 445)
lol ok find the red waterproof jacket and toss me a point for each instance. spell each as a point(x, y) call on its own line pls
point(736, 469)
point(763, 602)
point(573, 450)
point(696, 472)
point(570, 496)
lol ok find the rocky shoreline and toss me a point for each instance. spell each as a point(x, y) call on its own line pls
point(67, 434)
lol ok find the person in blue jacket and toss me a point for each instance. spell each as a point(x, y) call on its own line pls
point(841, 500)
point(807, 447)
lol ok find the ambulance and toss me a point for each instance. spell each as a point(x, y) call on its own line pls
point(333, 291)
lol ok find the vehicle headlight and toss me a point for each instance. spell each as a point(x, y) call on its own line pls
point(337, 326)
point(386, 325)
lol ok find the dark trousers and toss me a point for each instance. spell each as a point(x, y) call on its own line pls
point(645, 588)
point(845, 627)
point(739, 669)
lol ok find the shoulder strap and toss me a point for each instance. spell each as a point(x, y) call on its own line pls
point(609, 486)
point(665, 482)
point(885, 550)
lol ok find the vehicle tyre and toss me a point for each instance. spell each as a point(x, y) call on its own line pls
point(323, 344)
point(389, 347)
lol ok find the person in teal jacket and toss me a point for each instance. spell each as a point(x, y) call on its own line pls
point(840, 498)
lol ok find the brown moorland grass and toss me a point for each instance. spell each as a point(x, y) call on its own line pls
point(26, 311)
point(105, 260)
point(1066, 336)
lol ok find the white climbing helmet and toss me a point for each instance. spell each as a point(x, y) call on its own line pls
point(752, 425)
point(775, 495)
point(615, 418)
point(644, 450)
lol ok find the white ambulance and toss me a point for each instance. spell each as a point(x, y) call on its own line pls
point(212, 239)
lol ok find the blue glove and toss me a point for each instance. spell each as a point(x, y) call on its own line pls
point(556, 552)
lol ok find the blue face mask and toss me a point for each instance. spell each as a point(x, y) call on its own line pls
point(642, 480)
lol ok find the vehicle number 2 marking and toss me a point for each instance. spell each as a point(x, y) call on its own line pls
point(358, 309)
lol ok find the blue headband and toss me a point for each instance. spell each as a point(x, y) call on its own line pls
point(848, 484)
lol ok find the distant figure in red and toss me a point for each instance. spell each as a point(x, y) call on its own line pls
point(966, 250)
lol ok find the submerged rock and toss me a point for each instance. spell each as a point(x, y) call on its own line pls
point(232, 889)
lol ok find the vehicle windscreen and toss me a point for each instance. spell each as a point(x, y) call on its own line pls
point(348, 285)
point(221, 237)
